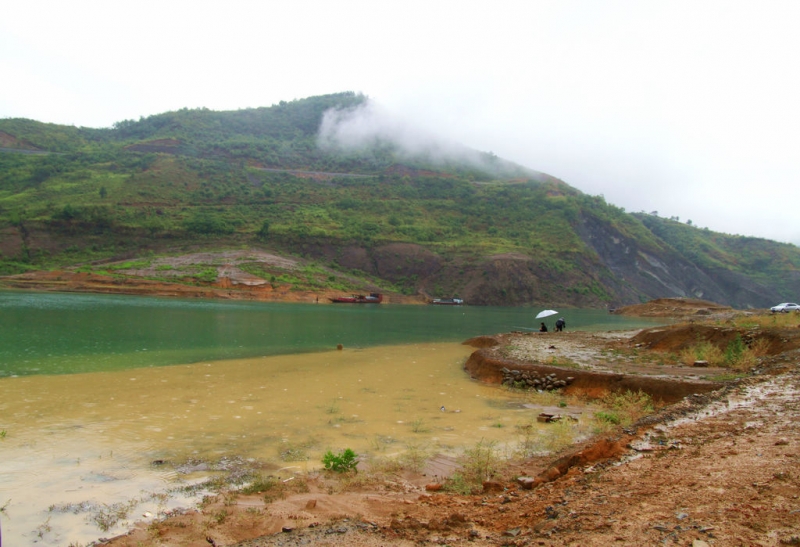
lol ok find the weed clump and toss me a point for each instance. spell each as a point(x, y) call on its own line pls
point(704, 351)
point(737, 355)
point(624, 408)
point(344, 461)
point(478, 464)
point(556, 436)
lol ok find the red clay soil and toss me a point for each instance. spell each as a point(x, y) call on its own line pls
point(679, 337)
point(673, 307)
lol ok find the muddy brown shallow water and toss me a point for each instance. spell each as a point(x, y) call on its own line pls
point(78, 445)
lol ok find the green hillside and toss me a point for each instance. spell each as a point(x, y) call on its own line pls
point(467, 224)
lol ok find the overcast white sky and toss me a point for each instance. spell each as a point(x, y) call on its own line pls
point(689, 108)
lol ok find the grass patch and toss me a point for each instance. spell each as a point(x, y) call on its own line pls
point(478, 464)
point(535, 440)
point(624, 408)
point(261, 484)
point(774, 320)
point(563, 362)
point(130, 265)
point(736, 355)
point(704, 351)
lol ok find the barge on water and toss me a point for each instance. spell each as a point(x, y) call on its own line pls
point(372, 298)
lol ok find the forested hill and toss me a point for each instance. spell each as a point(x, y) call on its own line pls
point(439, 220)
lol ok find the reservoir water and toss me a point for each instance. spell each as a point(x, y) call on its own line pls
point(95, 388)
point(56, 333)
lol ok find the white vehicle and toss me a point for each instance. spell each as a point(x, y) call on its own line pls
point(786, 307)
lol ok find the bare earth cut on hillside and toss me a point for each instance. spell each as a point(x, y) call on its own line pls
point(717, 467)
point(212, 275)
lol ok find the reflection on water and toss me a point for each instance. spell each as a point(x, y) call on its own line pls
point(90, 438)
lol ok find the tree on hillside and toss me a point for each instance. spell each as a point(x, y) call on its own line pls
point(263, 232)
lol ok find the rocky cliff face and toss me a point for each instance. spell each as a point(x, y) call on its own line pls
point(647, 272)
point(618, 270)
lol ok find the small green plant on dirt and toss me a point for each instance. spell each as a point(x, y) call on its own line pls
point(3, 433)
point(627, 407)
point(563, 362)
point(478, 464)
point(4, 506)
point(734, 351)
point(220, 516)
point(607, 416)
point(273, 488)
point(746, 357)
point(458, 484)
point(344, 461)
point(261, 484)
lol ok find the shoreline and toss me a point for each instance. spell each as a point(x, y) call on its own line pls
point(68, 281)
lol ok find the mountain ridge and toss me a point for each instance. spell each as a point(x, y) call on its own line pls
point(456, 223)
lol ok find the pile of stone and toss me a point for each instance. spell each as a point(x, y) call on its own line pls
point(532, 380)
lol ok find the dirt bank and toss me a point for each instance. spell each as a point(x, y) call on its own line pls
point(676, 307)
point(224, 288)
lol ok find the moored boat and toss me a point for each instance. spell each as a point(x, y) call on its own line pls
point(372, 298)
point(447, 301)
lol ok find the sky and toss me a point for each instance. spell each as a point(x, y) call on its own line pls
point(687, 108)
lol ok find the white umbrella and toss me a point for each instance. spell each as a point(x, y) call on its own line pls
point(546, 313)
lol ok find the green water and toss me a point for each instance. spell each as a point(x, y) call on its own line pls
point(53, 333)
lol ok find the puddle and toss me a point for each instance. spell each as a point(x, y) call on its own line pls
point(79, 449)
